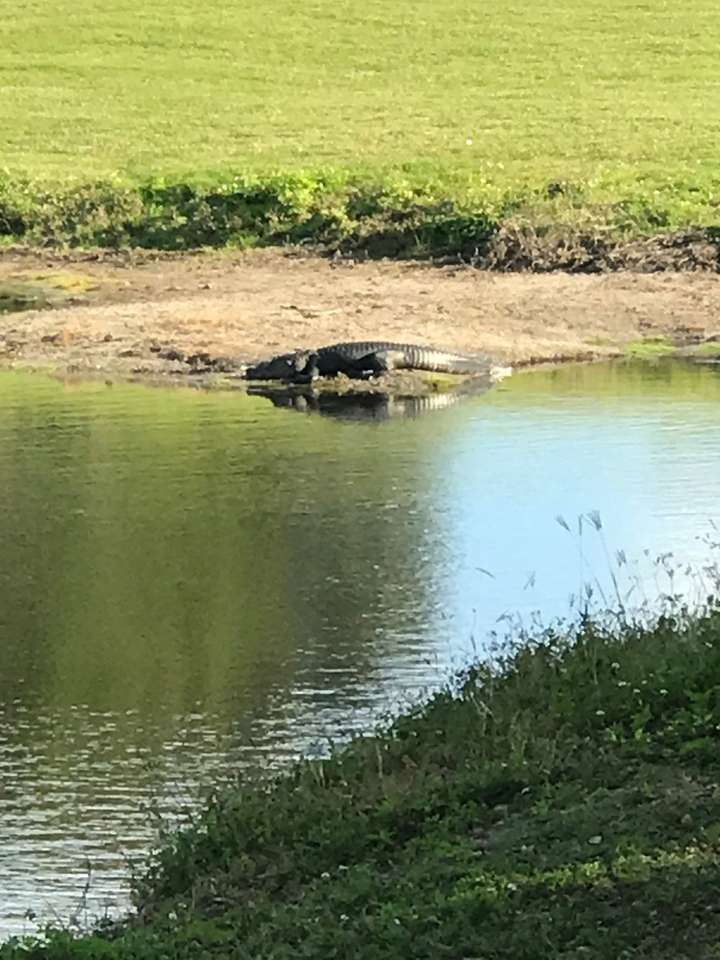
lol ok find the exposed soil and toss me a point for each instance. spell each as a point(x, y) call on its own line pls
point(147, 315)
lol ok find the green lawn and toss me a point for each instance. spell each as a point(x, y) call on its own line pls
point(554, 89)
point(331, 122)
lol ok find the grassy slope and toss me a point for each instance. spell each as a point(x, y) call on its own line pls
point(619, 97)
point(564, 806)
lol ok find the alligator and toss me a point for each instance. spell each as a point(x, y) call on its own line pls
point(364, 358)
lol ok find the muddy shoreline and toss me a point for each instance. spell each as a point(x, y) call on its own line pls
point(180, 318)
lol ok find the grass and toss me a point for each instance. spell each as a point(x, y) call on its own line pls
point(710, 350)
point(556, 90)
point(650, 348)
point(554, 110)
point(29, 294)
point(559, 803)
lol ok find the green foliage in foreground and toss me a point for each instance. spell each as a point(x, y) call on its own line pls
point(563, 803)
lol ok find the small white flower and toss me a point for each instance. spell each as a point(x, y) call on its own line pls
point(469, 141)
point(623, 683)
point(344, 917)
point(615, 665)
point(396, 921)
point(324, 875)
point(599, 713)
point(595, 840)
point(663, 692)
point(512, 887)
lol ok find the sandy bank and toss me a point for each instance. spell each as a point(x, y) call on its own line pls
point(135, 316)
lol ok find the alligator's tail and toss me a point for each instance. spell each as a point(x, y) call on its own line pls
point(435, 361)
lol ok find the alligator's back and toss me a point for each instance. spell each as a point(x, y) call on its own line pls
point(408, 356)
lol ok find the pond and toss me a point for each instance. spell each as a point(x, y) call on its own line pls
point(193, 583)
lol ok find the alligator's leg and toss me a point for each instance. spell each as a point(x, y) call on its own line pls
point(378, 362)
point(371, 365)
point(359, 368)
point(308, 371)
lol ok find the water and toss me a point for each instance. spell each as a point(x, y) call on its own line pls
point(192, 583)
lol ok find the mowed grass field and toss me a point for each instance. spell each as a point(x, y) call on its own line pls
point(515, 94)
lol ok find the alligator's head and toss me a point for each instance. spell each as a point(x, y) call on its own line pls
point(285, 366)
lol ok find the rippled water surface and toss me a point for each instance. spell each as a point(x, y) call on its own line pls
point(191, 583)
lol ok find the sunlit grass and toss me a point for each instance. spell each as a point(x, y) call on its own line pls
point(620, 98)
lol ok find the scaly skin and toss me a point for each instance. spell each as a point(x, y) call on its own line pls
point(364, 358)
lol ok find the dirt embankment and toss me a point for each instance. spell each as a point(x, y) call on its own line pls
point(147, 315)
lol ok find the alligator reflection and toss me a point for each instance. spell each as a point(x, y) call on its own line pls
point(368, 406)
